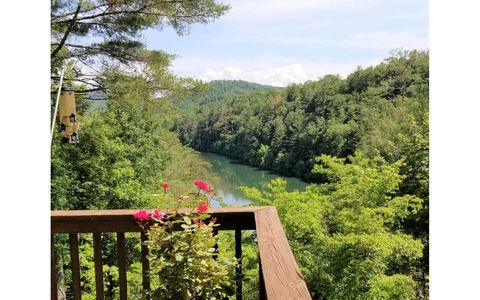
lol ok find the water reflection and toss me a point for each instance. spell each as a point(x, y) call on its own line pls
point(233, 175)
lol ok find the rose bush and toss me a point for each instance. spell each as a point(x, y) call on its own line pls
point(182, 252)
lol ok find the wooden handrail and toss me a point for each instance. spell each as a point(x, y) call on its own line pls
point(279, 272)
point(99, 221)
point(281, 275)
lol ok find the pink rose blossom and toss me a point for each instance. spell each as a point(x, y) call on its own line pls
point(202, 185)
point(141, 216)
point(202, 207)
point(159, 215)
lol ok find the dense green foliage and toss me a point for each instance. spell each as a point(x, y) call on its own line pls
point(347, 235)
point(126, 148)
point(125, 153)
point(221, 91)
point(249, 260)
point(363, 232)
point(285, 131)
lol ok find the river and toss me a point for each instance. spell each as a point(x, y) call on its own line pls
point(232, 175)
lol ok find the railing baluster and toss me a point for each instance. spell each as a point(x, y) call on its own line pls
point(122, 265)
point(145, 264)
point(75, 261)
point(279, 275)
point(238, 255)
point(261, 281)
point(97, 256)
point(214, 233)
point(53, 266)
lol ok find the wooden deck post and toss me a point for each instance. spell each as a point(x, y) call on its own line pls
point(75, 262)
point(97, 257)
point(238, 269)
point(145, 263)
point(122, 265)
point(53, 269)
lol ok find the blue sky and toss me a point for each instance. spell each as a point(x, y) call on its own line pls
point(278, 42)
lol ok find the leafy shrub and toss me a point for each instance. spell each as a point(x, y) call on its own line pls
point(347, 235)
point(182, 251)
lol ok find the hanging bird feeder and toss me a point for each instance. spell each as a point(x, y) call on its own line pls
point(67, 116)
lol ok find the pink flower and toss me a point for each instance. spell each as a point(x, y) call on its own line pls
point(202, 207)
point(159, 215)
point(165, 185)
point(202, 185)
point(141, 216)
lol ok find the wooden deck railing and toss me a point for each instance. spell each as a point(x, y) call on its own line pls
point(280, 277)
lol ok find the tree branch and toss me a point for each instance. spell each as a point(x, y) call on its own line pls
point(97, 85)
point(104, 14)
point(91, 50)
point(73, 13)
point(65, 36)
point(85, 91)
point(123, 10)
point(141, 10)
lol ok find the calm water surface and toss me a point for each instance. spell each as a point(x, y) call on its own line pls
point(233, 175)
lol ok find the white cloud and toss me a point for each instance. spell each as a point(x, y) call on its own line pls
point(276, 71)
point(282, 41)
point(279, 76)
point(224, 73)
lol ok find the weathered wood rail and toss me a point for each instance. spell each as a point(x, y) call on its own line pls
point(280, 277)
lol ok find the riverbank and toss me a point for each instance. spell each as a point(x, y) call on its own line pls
point(232, 175)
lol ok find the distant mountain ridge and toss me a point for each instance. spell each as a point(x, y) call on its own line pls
point(223, 90)
point(219, 91)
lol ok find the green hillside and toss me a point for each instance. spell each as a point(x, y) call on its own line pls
point(224, 90)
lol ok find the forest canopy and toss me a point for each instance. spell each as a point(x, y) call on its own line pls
point(360, 230)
